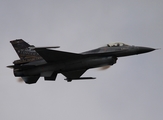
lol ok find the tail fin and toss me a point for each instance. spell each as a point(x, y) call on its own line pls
point(25, 53)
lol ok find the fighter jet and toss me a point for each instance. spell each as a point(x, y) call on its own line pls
point(36, 62)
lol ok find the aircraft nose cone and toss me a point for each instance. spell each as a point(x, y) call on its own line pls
point(145, 49)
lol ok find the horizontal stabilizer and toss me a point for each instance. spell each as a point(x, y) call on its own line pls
point(10, 66)
point(30, 79)
point(21, 67)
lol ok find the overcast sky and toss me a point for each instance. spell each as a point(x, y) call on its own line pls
point(132, 89)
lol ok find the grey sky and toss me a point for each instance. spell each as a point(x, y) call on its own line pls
point(130, 90)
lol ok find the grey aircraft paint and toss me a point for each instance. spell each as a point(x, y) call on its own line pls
point(38, 62)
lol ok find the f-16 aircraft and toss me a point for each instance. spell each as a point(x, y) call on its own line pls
point(36, 62)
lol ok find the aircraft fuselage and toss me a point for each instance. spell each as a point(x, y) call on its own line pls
point(84, 63)
point(38, 62)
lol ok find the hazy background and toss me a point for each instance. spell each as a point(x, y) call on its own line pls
point(132, 89)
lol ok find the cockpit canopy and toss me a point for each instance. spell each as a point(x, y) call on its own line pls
point(117, 45)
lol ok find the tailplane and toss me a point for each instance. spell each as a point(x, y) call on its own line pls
point(24, 51)
point(30, 79)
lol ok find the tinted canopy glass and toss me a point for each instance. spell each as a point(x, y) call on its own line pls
point(116, 45)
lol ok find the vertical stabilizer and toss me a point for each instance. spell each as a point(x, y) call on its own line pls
point(25, 53)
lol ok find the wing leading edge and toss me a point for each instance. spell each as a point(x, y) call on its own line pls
point(55, 56)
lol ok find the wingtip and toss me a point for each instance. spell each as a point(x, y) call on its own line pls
point(157, 48)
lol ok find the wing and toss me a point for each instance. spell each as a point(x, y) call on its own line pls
point(55, 56)
point(74, 74)
point(71, 75)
